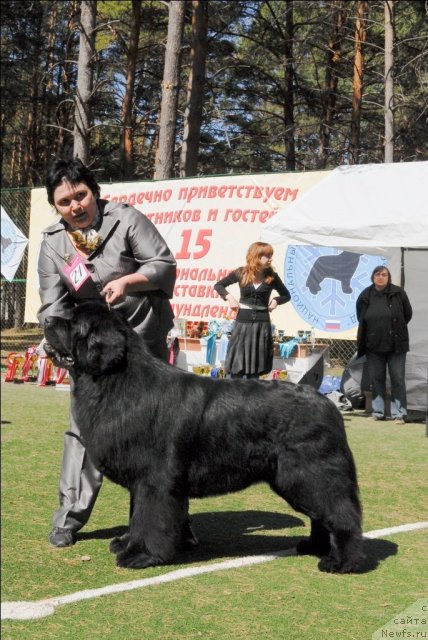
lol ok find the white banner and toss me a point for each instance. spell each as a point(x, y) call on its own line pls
point(209, 224)
point(13, 243)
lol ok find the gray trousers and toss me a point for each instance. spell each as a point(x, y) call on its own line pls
point(80, 482)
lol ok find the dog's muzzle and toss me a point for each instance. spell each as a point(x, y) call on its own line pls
point(59, 359)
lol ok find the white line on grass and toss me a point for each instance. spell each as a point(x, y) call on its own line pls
point(43, 608)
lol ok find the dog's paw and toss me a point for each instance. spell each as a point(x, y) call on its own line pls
point(332, 565)
point(136, 560)
point(119, 543)
point(329, 565)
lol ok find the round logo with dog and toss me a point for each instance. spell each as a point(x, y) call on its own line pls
point(324, 284)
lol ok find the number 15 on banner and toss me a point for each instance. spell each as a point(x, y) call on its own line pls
point(201, 241)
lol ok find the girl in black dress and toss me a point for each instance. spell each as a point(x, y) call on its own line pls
point(250, 350)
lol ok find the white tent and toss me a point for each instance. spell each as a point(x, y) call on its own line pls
point(379, 209)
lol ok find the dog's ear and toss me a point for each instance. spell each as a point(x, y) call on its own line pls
point(84, 326)
point(105, 351)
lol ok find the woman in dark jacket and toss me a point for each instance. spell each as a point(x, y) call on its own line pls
point(383, 312)
point(250, 350)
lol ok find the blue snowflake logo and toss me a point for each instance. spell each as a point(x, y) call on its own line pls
point(325, 283)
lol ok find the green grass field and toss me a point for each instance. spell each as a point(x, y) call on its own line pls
point(287, 598)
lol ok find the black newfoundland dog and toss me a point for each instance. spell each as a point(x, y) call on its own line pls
point(168, 435)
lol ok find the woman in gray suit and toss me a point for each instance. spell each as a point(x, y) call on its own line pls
point(99, 250)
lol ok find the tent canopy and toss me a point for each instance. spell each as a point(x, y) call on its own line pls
point(366, 208)
point(378, 209)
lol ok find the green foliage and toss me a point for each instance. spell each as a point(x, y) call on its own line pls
point(250, 60)
point(285, 598)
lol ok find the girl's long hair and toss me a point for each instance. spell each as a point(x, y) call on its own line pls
point(256, 251)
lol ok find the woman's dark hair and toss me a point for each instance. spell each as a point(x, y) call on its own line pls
point(381, 268)
point(72, 171)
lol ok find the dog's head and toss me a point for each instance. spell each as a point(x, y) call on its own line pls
point(93, 340)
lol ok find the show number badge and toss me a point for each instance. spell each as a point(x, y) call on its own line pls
point(76, 272)
point(325, 282)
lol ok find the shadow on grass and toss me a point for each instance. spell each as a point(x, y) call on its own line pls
point(376, 551)
point(228, 533)
point(102, 534)
point(236, 533)
point(246, 533)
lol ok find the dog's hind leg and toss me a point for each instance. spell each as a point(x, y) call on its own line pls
point(346, 554)
point(342, 518)
point(342, 549)
point(156, 529)
point(333, 506)
point(318, 543)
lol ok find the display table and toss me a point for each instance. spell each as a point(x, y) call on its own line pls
point(193, 352)
point(307, 369)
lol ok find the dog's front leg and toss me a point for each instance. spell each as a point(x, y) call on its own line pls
point(119, 543)
point(156, 528)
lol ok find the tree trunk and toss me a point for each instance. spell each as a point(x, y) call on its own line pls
point(50, 60)
point(12, 171)
point(329, 95)
point(82, 113)
point(195, 90)
point(389, 80)
point(64, 110)
point(288, 106)
point(126, 140)
point(30, 139)
point(357, 96)
point(164, 163)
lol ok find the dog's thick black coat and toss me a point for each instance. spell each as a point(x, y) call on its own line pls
point(167, 436)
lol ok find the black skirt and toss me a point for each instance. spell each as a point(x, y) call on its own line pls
point(250, 350)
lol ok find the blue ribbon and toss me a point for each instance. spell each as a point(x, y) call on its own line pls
point(286, 348)
point(211, 348)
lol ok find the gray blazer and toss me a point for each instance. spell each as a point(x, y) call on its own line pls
point(131, 243)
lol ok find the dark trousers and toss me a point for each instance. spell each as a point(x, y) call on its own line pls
point(377, 364)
